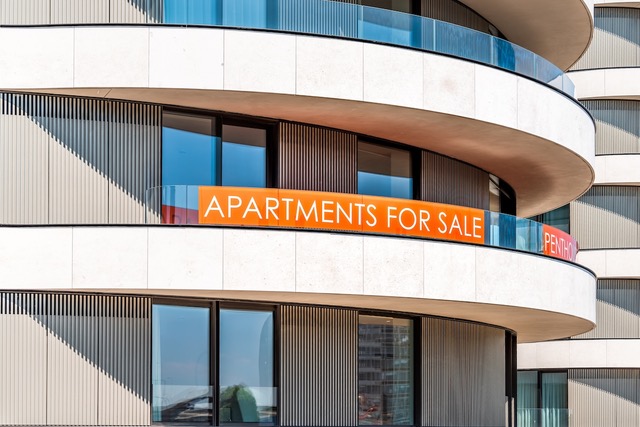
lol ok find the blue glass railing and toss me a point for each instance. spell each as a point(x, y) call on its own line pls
point(337, 19)
point(179, 205)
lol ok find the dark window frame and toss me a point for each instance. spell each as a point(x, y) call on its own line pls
point(214, 307)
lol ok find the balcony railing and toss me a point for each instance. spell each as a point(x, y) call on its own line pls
point(549, 417)
point(344, 20)
point(180, 205)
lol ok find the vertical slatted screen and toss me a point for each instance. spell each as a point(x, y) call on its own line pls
point(607, 217)
point(454, 12)
point(463, 374)
point(74, 359)
point(618, 125)
point(318, 159)
point(319, 366)
point(445, 180)
point(23, 359)
point(616, 40)
point(74, 160)
point(604, 397)
point(54, 12)
point(617, 309)
point(24, 162)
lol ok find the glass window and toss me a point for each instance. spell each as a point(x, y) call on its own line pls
point(384, 171)
point(180, 371)
point(247, 393)
point(554, 399)
point(558, 218)
point(244, 156)
point(190, 153)
point(385, 371)
point(194, 154)
point(528, 413)
point(542, 399)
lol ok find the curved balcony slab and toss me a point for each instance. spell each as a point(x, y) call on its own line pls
point(539, 298)
point(611, 263)
point(557, 30)
point(533, 137)
point(620, 169)
point(609, 83)
point(574, 354)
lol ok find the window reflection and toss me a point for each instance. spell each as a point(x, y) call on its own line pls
point(385, 371)
point(244, 156)
point(180, 371)
point(247, 392)
point(384, 171)
point(542, 399)
point(194, 154)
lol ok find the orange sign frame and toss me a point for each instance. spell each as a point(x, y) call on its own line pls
point(336, 211)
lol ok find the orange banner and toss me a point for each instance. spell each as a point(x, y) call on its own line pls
point(335, 211)
point(558, 244)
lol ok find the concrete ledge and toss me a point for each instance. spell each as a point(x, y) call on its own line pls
point(540, 298)
point(571, 354)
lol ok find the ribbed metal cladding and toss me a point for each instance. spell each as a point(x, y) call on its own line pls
point(454, 12)
point(446, 180)
point(618, 125)
point(74, 359)
point(25, 12)
point(463, 374)
point(616, 40)
point(77, 160)
point(318, 159)
point(24, 162)
point(23, 360)
point(607, 217)
point(618, 309)
point(135, 164)
point(604, 397)
point(34, 12)
point(319, 366)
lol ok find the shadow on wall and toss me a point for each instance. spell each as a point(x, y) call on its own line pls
point(602, 396)
point(112, 333)
point(111, 154)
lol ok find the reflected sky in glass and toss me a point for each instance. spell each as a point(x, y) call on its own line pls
point(180, 369)
point(244, 165)
point(246, 366)
point(374, 184)
point(188, 157)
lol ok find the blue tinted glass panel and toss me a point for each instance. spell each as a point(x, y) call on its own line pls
point(243, 165)
point(188, 157)
point(196, 12)
point(247, 393)
point(463, 42)
point(384, 171)
point(244, 13)
point(181, 360)
point(385, 185)
point(244, 156)
point(386, 26)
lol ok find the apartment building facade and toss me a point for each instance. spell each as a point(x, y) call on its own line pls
point(285, 212)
